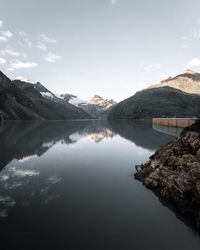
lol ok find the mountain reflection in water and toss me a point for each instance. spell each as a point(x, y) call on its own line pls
point(24, 140)
point(69, 185)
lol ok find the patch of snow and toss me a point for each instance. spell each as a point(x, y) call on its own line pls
point(47, 94)
point(59, 96)
point(77, 101)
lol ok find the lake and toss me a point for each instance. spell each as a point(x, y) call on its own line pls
point(70, 185)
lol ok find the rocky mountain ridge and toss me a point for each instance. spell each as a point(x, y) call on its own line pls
point(188, 82)
point(174, 97)
point(25, 100)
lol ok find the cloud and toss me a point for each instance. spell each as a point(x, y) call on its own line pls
point(22, 33)
point(10, 52)
point(195, 62)
point(2, 60)
point(28, 42)
point(10, 69)
point(25, 38)
point(41, 46)
point(1, 23)
point(52, 57)
point(23, 65)
point(2, 38)
point(5, 35)
point(195, 31)
point(113, 1)
point(45, 38)
point(151, 67)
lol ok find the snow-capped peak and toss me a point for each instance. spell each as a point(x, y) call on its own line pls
point(21, 78)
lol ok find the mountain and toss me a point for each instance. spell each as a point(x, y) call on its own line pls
point(97, 107)
point(103, 103)
point(188, 82)
point(22, 99)
point(173, 97)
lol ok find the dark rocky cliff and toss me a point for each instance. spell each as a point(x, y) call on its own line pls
point(174, 172)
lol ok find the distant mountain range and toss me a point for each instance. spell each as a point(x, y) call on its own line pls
point(173, 97)
point(97, 107)
point(22, 99)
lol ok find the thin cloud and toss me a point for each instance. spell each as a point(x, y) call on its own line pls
point(10, 69)
point(2, 60)
point(151, 67)
point(22, 33)
point(23, 65)
point(25, 38)
point(7, 33)
point(41, 46)
point(113, 1)
point(195, 32)
point(3, 38)
point(28, 42)
point(1, 23)
point(45, 38)
point(10, 52)
point(51, 57)
point(195, 62)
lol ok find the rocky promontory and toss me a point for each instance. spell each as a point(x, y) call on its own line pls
point(174, 172)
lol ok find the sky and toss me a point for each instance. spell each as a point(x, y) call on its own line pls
point(112, 48)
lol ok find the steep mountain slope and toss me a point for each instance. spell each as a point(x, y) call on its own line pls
point(25, 100)
point(174, 97)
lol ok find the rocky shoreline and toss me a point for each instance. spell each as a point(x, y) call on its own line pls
point(174, 172)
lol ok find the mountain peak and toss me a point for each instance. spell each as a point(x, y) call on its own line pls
point(188, 82)
point(97, 96)
point(99, 101)
point(191, 72)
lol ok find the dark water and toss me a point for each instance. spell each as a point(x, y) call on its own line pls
point(70, 185)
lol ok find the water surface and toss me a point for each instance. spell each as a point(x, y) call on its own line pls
point(70, 185)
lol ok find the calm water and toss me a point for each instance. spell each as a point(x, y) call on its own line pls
point(70, 185)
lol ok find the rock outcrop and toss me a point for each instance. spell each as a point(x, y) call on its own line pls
point(174, 172)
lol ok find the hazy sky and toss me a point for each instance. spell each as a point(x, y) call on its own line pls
point(108, 47)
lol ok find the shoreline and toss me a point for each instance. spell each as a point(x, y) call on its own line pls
point(173, 171)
